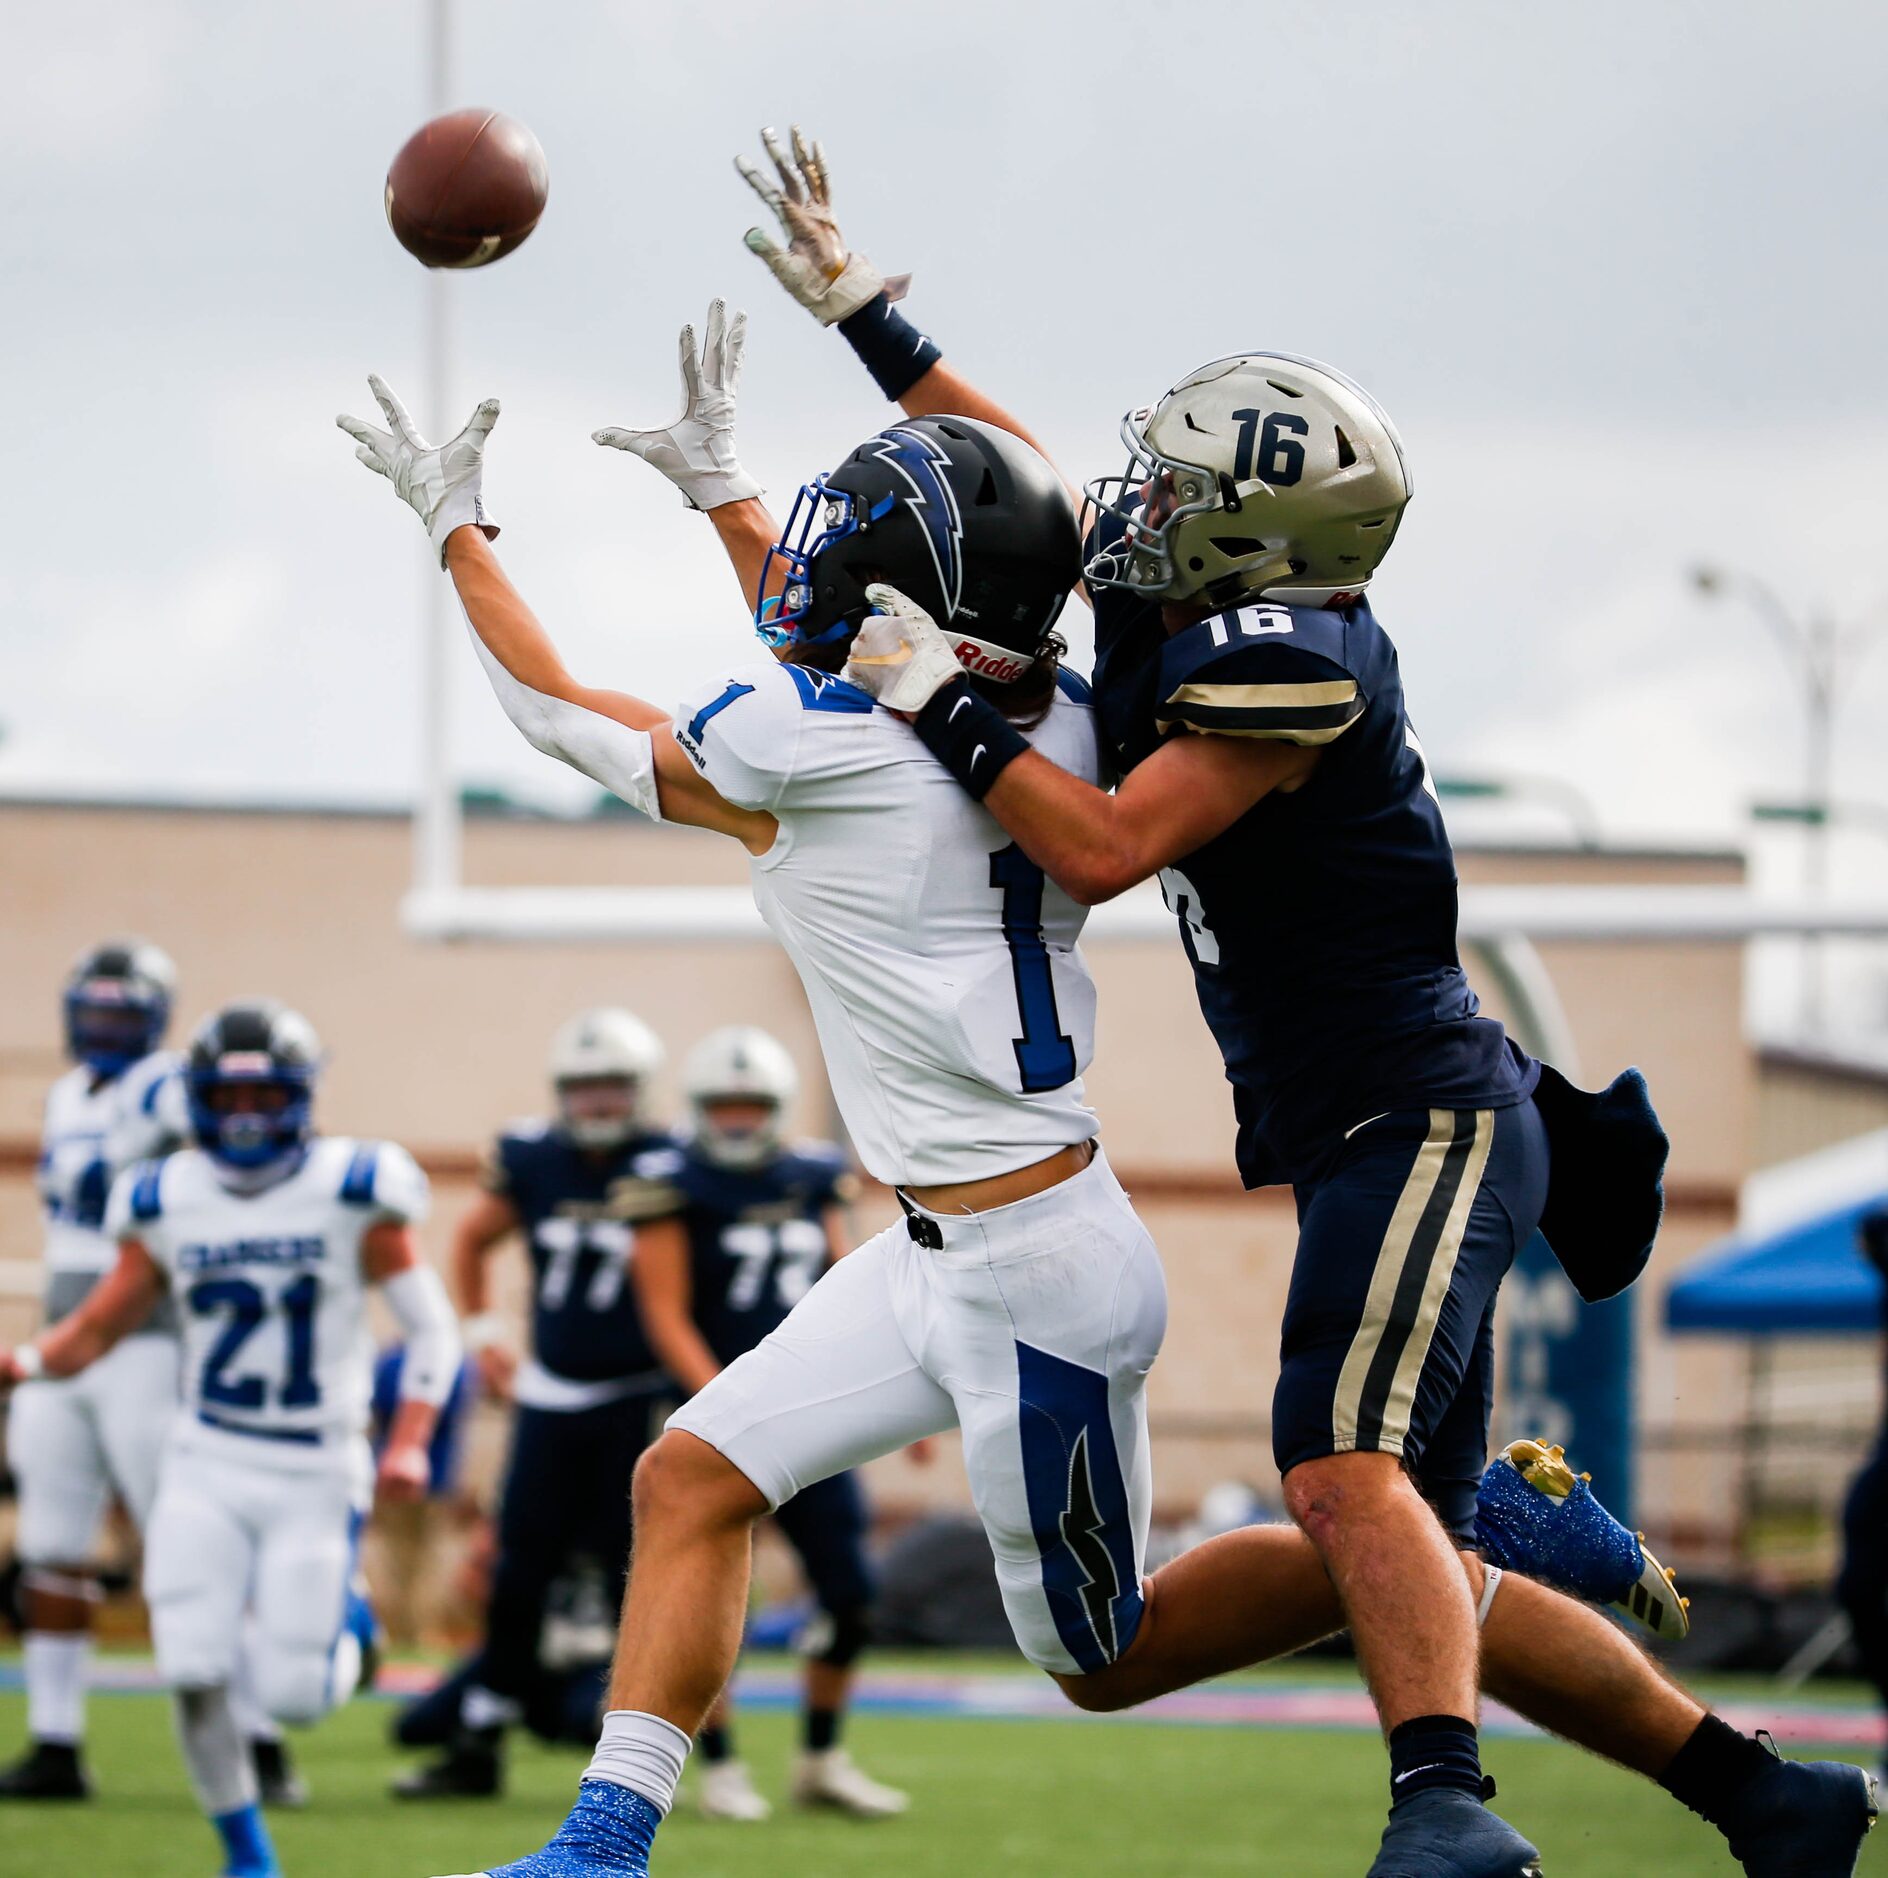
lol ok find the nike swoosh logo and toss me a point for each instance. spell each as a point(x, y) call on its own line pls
point(1429, 1767)
point(977, 753)
point(1361, 1126)
point(961, 704)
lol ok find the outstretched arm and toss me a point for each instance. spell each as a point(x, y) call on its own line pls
point(840, 287)
point(620, 741)
point(390, 1258)
point(697, 452)
point(113, 1309)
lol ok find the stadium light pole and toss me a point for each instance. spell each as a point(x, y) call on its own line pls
point(436, 828)
point(1819, 646)
point(1552, 791)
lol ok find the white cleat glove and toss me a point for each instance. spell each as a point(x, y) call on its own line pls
point(815, 267)
point(830, 1778)
point(727, 1791)
point(696, 453)
point(439, 482)
point(899, 655)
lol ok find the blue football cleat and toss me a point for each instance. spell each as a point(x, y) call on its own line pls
point(1536, 1516)
point(1443, 1833)
point(1803, 1819)
point(607, 1835)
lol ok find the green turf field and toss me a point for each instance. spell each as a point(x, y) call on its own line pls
point(989, 1796)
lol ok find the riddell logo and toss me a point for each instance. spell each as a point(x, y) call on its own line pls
point(991, 662)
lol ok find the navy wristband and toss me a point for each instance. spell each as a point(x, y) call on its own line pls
point(969, 736)
point(889, 346)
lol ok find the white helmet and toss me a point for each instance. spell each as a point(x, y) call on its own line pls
point(1273, 475)
point(599, 1048)
point(739, 1064)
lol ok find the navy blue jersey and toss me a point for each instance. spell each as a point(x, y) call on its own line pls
point(757, 1240)
point(1322, 924)
point(580, 1210)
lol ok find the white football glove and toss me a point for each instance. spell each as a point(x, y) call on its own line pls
point(696, 453)
point(899, 655)
point(816, 267)
point(440, 482)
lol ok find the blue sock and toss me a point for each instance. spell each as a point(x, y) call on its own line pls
point(610, 1829)
point(1434, 1751)
point(246, 1844)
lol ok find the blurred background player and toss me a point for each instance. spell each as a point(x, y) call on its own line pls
point(763, 1220)
point(591, 1396)
point(267, 1237)
point(1862, 1587)
point(409, 1535)
point(72, 1444)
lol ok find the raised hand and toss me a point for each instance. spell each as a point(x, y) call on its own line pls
point(815, 267)
point(696, 453)
point(439, 482)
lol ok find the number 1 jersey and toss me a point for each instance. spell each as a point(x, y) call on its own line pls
point(955, 1012)
point(268, 1285)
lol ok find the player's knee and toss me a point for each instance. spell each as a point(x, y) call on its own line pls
point(190, 1666)
point(681, 1479)
point(1106, 1692)
point(1327, 1494)
point(838, 1638)
point(294, 1686)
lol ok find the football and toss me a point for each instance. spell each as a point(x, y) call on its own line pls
point(466, 188)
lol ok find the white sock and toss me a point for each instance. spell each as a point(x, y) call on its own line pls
point(214, 1750)
point(641, 1752)
point(56, 1662)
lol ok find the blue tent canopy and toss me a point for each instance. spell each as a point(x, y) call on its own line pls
point(1808, 1278)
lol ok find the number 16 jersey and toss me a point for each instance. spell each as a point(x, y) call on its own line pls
point(268, 1285)
point(954, 1009)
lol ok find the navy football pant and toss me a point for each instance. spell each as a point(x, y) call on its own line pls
point(1862, 1589)
point(566, 1496)
point(1388, 1340)
point(825, 1525)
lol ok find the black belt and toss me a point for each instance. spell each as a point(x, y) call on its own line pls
point(921, 1226)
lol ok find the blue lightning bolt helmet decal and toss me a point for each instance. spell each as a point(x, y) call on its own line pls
point(825, 514)
point(920, 462)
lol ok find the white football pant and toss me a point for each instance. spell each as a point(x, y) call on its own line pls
point(1032, 1327)
point(237, 1529)
point(74, 1442)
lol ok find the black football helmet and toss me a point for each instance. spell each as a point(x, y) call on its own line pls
point(251, 1080)
point(117, 1004)
point(967, 520)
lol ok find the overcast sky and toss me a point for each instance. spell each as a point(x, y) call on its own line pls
point(1617, 271)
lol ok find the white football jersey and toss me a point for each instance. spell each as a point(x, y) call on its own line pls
point(955, 1011)
point(268, 1285)
point(92, 1132)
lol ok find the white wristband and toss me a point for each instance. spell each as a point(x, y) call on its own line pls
point(481, 1330)
point(30, 1362)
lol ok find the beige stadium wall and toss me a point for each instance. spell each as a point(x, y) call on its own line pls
point(437, 1045)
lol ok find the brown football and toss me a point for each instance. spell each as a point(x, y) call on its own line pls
point(466, 188)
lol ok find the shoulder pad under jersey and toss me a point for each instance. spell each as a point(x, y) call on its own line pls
point(1261, 671)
